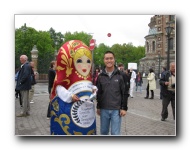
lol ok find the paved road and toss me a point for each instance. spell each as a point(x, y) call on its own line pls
point(142, 119)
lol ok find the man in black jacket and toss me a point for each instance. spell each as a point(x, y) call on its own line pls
point(24, 85)
point(111, 102)
point(51, 77)
point(167, 82)
point(126, 79)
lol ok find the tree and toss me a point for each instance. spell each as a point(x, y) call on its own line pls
point(57, 38)
point(82, 36)
point(26, 38)
point(99, 54)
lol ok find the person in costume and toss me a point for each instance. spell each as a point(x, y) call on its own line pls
point(73, 94)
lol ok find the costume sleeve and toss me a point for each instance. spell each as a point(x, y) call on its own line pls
point(64, 94)
point(94, 88)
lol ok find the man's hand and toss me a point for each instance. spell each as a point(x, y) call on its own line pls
point(98, 112)
point(75, 98)
point(123, 112)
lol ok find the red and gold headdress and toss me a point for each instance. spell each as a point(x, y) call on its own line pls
point(67, 70)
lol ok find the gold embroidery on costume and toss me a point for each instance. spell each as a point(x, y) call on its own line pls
point(77, 133)
point(91, 132)
point(67, 121)
point(67, 62)
point(67, 80)
point(60, 68)
point(55, 105)
point(53, 113)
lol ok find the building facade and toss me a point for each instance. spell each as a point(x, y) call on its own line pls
point(156, 44)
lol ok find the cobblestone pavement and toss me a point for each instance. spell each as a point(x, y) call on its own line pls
point(142, 119)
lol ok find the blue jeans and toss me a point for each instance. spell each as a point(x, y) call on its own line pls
point(107, 118)
point(140, 88)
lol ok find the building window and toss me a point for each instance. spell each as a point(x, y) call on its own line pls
point(153, 46)
point(147, 47)
point(153, 66)
point(171, 43)
point(171, 17)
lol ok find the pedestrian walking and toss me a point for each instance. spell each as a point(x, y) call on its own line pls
point(132, 81)
point(168, 90)
point(151, 85)
point(111, 102)
point(24, 85)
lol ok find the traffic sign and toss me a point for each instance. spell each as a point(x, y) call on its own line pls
point(92, 44)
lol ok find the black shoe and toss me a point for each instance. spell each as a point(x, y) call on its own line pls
point(163, 119)
point(151, 98)
point(146, 97)
point(21, 115)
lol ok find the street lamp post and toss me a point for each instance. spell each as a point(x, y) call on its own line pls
point(168, 31)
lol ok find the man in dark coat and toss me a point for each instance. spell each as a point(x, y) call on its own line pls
point(24, 85)
point(168, 90)
point(51, 77)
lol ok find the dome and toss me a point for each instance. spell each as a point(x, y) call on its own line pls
point(152, 31)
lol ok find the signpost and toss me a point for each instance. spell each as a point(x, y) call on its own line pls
point(92, 44)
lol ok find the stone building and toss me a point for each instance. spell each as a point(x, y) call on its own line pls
point(156, 44)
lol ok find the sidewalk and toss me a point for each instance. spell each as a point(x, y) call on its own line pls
point(142, 119)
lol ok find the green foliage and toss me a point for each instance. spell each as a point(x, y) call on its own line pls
point(99, 54)
point(82, 36)
point(47, 42)
point(26, 38)
point(57, 38)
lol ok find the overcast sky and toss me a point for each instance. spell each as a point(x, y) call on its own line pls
point(123, 28)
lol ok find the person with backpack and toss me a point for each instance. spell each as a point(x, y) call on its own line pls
point(111, 102)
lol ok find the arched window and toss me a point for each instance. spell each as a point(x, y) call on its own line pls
point(143, 68)
point(147, 47)
point(153, 46)
point(153, 67)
